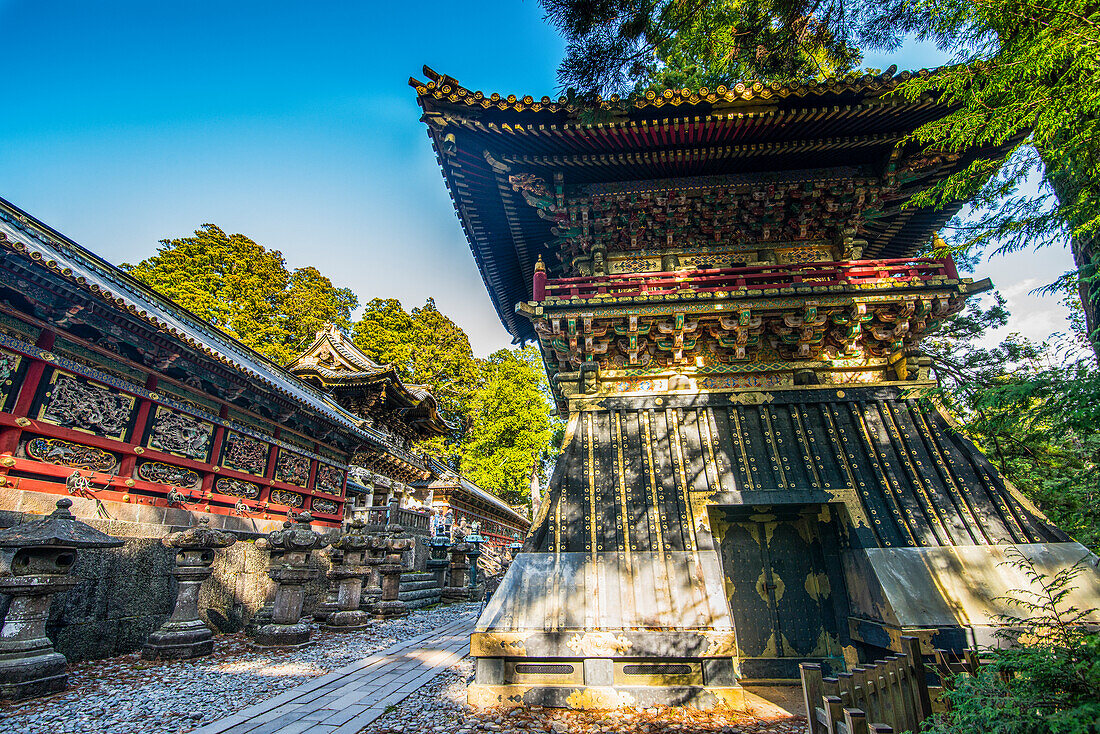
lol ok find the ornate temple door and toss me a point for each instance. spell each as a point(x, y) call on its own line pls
point(780, 582)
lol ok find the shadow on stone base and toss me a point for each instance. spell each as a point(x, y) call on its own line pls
point(179, 641)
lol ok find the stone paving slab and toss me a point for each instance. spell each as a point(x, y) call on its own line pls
point(346, 700)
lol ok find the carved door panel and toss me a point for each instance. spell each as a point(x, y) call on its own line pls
point(779, 589)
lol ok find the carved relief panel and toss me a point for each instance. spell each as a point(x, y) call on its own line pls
point(161, 473)
point(9, 368)
point(237, 488)
point(67, 453)
point(244, 453)
point(83, 405)
point(292, 468)
point(180, 434)
point(329, 479)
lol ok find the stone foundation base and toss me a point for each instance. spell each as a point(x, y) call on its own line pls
point(32, 676)
point(456, 593)
point(605, 697)
point(347, 621)
point(179, 641)
point(281, 635)
point(389, 610)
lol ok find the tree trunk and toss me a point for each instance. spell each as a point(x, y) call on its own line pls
point(1067, 186)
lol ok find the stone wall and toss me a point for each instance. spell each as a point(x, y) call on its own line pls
point(128, 592)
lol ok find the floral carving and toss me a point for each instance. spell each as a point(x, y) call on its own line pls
point(326, 507)
point(292, 469)
point(330, 479)
point(181, 434)
point(245, 453)
point(9, 365)
point(286, 497)
point(74, 403)
point(237, 488)
point(161, 473)
point(67, 453)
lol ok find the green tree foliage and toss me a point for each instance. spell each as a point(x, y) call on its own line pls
point(510, 424)
point(1045, 681)
point(618, 45)
point(1026, 92)
point(501, 404)
point(246, 290)
point(1034, 410)
point(425, 347)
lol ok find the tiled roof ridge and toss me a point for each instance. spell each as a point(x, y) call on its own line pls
point(443, 87)
point(48, 237)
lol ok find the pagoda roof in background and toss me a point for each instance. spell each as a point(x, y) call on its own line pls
point(842, 129)
point(335, 364)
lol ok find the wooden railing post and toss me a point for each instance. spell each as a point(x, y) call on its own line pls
point(855, 721)
point(921, 699)
point(811, 694)
point(834, 713)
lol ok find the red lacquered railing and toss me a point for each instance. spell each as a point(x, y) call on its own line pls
point(915, 269)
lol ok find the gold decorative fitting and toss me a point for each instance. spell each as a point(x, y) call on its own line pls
point(129, 482)
point(7, 461)
point(22, 422)
point(139, 450)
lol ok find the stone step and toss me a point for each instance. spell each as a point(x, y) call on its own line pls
point(419, 594)
point(418, 585)
point(420, 603)
point(416, 576)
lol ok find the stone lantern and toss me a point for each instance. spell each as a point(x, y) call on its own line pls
point(35, 560)
point(474, 539)
point(185, 635)
point(456, 589)
point(437, 560)
point(390, 606)
point(290, 570)
point(348, 573)
point(330, 605)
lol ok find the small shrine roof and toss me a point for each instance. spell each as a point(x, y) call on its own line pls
point(443, 477)
point(60, 528)
point(334, 361)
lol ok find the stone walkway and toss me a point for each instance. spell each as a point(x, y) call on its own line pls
point(346, 700)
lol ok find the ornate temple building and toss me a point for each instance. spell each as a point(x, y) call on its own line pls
point(498, 522)
point(727, 291)
point(144, 413)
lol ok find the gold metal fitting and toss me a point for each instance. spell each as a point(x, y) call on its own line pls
point(139, 450)
point(7, 461)
point(22, 421)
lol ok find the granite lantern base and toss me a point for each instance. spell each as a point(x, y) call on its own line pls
point(292, 547)
point(35, 560)
point(389, 605)
point(329, 604)
point(185, 634)
point(457, 588)
point(286, 628)
point(29, 666)
point(350, 548)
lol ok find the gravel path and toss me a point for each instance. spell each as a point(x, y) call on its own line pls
point(440, 707)
point(125, 694)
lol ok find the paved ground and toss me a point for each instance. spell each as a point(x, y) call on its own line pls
point(346, 700)
point(124, 694)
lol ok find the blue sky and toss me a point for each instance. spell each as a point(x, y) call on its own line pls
point(128, 122)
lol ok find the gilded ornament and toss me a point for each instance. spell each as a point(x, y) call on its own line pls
point(292, 468)
point(286, 497)
point(180, 434)
point(330, 479)
point(86, 406)
point(67, 453)
point(326, 507)
point(161, 473)
point(244, 453)
point(237, 488)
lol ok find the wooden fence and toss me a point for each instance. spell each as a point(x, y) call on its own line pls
point(886, 696)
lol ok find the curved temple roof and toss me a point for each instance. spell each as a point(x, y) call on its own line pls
point(22, 235)
point(499, 154)
point(337, 364)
